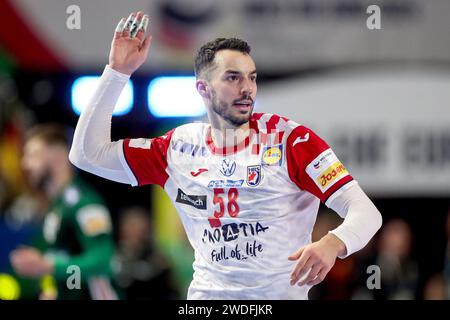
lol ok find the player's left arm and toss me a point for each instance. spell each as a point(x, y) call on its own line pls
point(314, 167)
point(361, 221)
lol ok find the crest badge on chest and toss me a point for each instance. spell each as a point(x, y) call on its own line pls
point(254, 175)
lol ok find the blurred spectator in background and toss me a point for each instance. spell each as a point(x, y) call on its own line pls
point(11, 128)
point(435, 288)
point(77, 229)
point(21, 210)
point(142, 271)
point(399, 272)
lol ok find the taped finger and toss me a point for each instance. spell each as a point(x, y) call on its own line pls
point(144, 24)
point(120, 26)
point(135, 27)
point(128, 24)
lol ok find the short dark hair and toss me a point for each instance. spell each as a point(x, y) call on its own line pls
point(206, 54)
point(50, 133)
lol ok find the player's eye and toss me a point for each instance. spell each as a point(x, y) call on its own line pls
point(232, 77)
point(253, 78)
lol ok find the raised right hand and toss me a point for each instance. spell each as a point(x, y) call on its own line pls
point(128, 53)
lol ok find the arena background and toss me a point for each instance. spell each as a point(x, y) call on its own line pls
point(380, 97)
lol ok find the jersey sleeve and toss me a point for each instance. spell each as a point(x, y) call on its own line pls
point(146, 159)
point(312, 164)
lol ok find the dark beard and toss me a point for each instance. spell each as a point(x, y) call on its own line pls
point(221, 108)
point(43, 183)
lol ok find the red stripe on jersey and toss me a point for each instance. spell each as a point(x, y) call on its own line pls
point(149, 164)
point(232, 149)
point(336, 187)
point(300, 155)
point(255, 148)
point(256, 116)
point(272, 123)
point(263, 137)
point(278, 137)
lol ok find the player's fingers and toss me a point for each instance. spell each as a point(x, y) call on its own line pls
point(321, 275)
point(312, 274)
point(303, 273)
point(119, 29)
point(300, 265)
point(301, 269)
point(146, 44)
point(296, 255)
point(128, 23)
point(142, 28)
point(135, 24)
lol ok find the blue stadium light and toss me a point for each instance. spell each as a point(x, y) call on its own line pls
point(83, 88)
point(174, 97)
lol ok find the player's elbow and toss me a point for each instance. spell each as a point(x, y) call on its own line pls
point(75, 157)
point(79, 155)
point(373, 220)
point(378, 220)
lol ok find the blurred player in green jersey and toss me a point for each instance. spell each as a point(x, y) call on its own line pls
point(77, 228)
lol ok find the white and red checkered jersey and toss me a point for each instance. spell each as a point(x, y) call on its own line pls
point(245, 209)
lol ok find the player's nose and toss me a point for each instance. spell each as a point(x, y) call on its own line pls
point(246, 88)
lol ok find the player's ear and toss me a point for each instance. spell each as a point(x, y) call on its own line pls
point(202, 88)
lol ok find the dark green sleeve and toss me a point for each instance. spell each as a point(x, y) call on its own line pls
point(96, 252)
point(94, 260)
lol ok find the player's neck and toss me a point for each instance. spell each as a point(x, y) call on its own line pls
point(226, 135)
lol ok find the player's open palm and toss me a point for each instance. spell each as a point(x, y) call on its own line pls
point(129, 48)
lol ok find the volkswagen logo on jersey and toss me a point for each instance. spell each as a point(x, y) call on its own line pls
point(254, 175)
point(228, 167)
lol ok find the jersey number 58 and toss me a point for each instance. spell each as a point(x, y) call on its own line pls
point(231, 205)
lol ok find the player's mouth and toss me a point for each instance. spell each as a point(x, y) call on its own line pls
point(243, 105)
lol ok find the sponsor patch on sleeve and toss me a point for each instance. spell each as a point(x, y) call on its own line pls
point(94, 220)
point(325, 170)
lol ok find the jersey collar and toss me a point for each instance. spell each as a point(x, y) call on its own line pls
point(236, 148)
